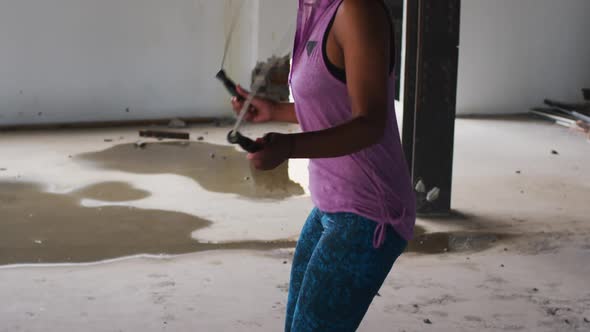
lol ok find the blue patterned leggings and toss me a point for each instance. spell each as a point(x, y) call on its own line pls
point(336, 272)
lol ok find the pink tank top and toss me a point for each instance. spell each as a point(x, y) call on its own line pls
point(373, 183)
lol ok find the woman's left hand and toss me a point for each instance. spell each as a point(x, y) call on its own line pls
point(277, 149)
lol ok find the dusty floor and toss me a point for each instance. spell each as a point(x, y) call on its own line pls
point(515, 255)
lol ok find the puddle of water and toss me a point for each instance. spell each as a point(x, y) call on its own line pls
point(112, 192)
point(216, 168)
point(439, 243)
point(39, 227)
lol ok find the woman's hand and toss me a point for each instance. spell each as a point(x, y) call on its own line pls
point(261, 110)
point(277, 149)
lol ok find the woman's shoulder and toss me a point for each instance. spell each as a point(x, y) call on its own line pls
point(364, 15)
point(359, 9)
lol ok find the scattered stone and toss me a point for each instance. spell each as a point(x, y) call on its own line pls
point(427, 321)
point(505, 249)
point(379, 295)
point(502, 265)
point(127, 110)
point(554, 152)
point(285, 262)
point(518, 172)
point(140, 144)
point(176, 123)
point(433, 195)
point(552, 311)
point(535, 289)
point(200, 138)
point(522, 191)
point(415, 306)
point(586, 320)
point(212, 155)
point(38, 242)
point(567, 321)
point(3, 169)
point(420, 187)
point(468, 258)
point(70, 156)
point(247, 178)
point(108, 140)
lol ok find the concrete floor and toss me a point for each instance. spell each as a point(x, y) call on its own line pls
point(96, 235)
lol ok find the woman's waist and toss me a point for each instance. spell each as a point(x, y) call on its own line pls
point(344, 178)
point(382, 207)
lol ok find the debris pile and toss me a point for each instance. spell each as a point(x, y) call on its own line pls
point(426, 196)
point(177, 124)
point(275, 84)
point(575, 116)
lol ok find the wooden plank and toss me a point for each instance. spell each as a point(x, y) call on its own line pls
point(103, 124)
point(164, 134)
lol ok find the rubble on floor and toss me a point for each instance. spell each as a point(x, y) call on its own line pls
point(575, 116)
point(177, 123)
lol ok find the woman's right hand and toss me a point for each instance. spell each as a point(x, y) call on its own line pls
point(261, 109)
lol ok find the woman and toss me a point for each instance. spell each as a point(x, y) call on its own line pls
point(343, 86)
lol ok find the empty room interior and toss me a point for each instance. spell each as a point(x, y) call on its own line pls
point(317, 165)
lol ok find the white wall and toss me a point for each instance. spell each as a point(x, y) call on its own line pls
point(514, 53)
point(90, 60)
point(276, 27)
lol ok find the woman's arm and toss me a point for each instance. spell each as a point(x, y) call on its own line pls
point(284, 112)
point(265, 110)
point(362, 32)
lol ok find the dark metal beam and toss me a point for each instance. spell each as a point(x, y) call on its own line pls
point(430, 97)
point(411, 19)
